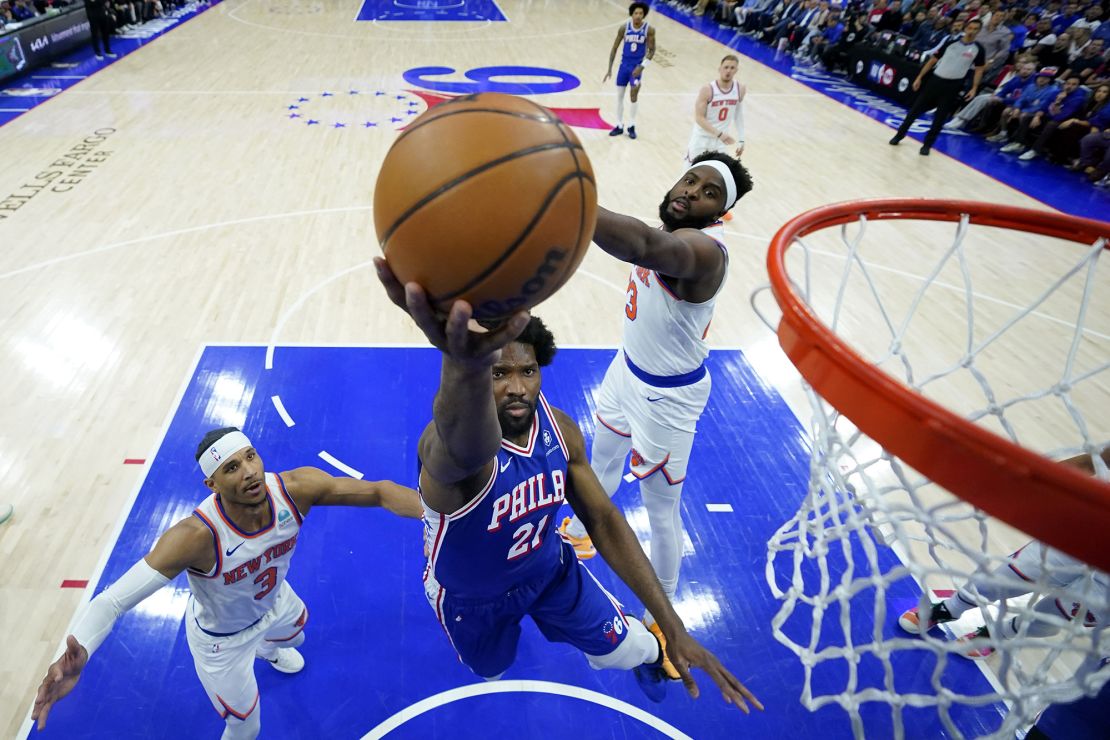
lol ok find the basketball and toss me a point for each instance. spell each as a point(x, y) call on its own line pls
point(487, 198)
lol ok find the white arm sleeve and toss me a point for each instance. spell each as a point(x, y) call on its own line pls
point(740, 121)
point(123, 595)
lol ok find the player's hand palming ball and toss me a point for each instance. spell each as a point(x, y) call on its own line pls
point(487, 198)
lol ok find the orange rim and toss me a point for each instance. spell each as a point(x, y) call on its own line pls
point(1054, 503)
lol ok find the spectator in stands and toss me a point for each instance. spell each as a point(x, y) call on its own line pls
point(748, 8)
point(952, 64)
point(820, 39)
point(856, 31)
point(22, 10)
point(1021, 23)
point(1064, 144)
point(995, 40)
point(1092, 18)
point(930, 35)
point(100, 21)
point(1090, 61)
point(1041, 34)
point(1055, 55)
point(987, 107)
point(1067, 17)
point(6, 14)
point(783, 24)
point(884, 18)
point(1094, 154)
point(1032, 100)
point(1067, 104)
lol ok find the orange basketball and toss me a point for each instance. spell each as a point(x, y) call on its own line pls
point(489, 198)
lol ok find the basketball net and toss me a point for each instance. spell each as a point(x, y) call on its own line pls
point(874, 536)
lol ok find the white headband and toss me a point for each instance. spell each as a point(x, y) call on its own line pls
point(726, 175)
point(221, 449)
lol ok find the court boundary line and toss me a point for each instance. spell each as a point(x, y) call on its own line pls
point(125, 513)
point(554, 688)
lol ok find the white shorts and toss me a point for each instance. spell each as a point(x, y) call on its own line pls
point(225, 665)
point(661, 422)
point(1037, 562)
point(701, 142)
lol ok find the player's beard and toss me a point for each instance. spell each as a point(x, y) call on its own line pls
point(673, 223)
point(511, 426)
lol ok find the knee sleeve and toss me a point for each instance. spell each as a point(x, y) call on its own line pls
point(661, 500)
point(637, 648)
point(607, 457)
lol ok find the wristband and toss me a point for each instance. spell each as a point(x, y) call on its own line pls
point(645, 62)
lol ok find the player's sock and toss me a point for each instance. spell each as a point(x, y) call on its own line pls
point(958, 603)
point(632, 113)
point(620, 106)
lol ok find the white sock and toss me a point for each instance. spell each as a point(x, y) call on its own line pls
point(620, 106)
point(632, 113)
point(661, 500)
point(637, 648)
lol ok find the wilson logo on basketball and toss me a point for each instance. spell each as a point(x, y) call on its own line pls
point(531, 288)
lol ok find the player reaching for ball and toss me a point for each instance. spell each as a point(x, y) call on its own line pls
point(638, 39)
point(235, 549)
point(497, 461)
point(657, 384)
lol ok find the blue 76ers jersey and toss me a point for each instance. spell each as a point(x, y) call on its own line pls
point(506, 535)
point(635, 44)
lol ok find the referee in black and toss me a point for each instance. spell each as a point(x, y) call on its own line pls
point(950, 65)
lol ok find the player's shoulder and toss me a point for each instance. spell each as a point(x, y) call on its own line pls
point(567, 425)
point(189, 536)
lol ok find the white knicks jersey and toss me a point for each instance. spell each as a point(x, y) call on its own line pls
point(721, 111)
point(663, 334)
point(250, 566)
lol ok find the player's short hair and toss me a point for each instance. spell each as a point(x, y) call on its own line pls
point(642, 6)
point(739, 172)
point(976, 21)
point(210, 439)
point(537, 336)
point(733, 57)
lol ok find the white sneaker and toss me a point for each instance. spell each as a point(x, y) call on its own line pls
point(1027, 156)
point(1013, 146)
point(288, 660)
point(955, 123)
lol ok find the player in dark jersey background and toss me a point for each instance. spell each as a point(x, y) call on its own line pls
point(638, 39)
point(497, 461)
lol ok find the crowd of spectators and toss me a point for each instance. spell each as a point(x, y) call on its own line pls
point(1046, 85)
point(122, 14)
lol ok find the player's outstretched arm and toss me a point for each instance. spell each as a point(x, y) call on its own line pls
point(313, 487)
point(185, 544)
point(685, 254)
point(465, 435)
point(616, 542)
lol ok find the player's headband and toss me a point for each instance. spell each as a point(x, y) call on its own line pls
point(726, 175)
point(222, 449)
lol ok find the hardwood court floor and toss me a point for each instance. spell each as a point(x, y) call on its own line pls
point(203, 214)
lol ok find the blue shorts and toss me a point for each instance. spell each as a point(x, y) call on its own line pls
point(624, 74)
point(568, 605)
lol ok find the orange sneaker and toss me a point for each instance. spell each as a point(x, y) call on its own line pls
point(583, 546)
point(668, 666)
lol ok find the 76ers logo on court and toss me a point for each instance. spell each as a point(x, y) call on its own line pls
point(612, 630)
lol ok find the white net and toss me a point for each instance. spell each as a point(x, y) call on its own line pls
point(1007, 329)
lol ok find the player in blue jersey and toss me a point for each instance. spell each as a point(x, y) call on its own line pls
point(497, 462)
point(638, 39)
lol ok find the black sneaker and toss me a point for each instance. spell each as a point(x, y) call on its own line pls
point(632, 132)
point(924, 151)
point(617, 131)
point(896, 140)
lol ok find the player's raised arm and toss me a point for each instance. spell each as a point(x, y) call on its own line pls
point(184, 545)
point(616, 542)
point(313, 487)
point(684, 254)
point(465, 435)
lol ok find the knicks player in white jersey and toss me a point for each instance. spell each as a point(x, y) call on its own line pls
point(657, 385)
point(235, 549)
point(719, 114)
